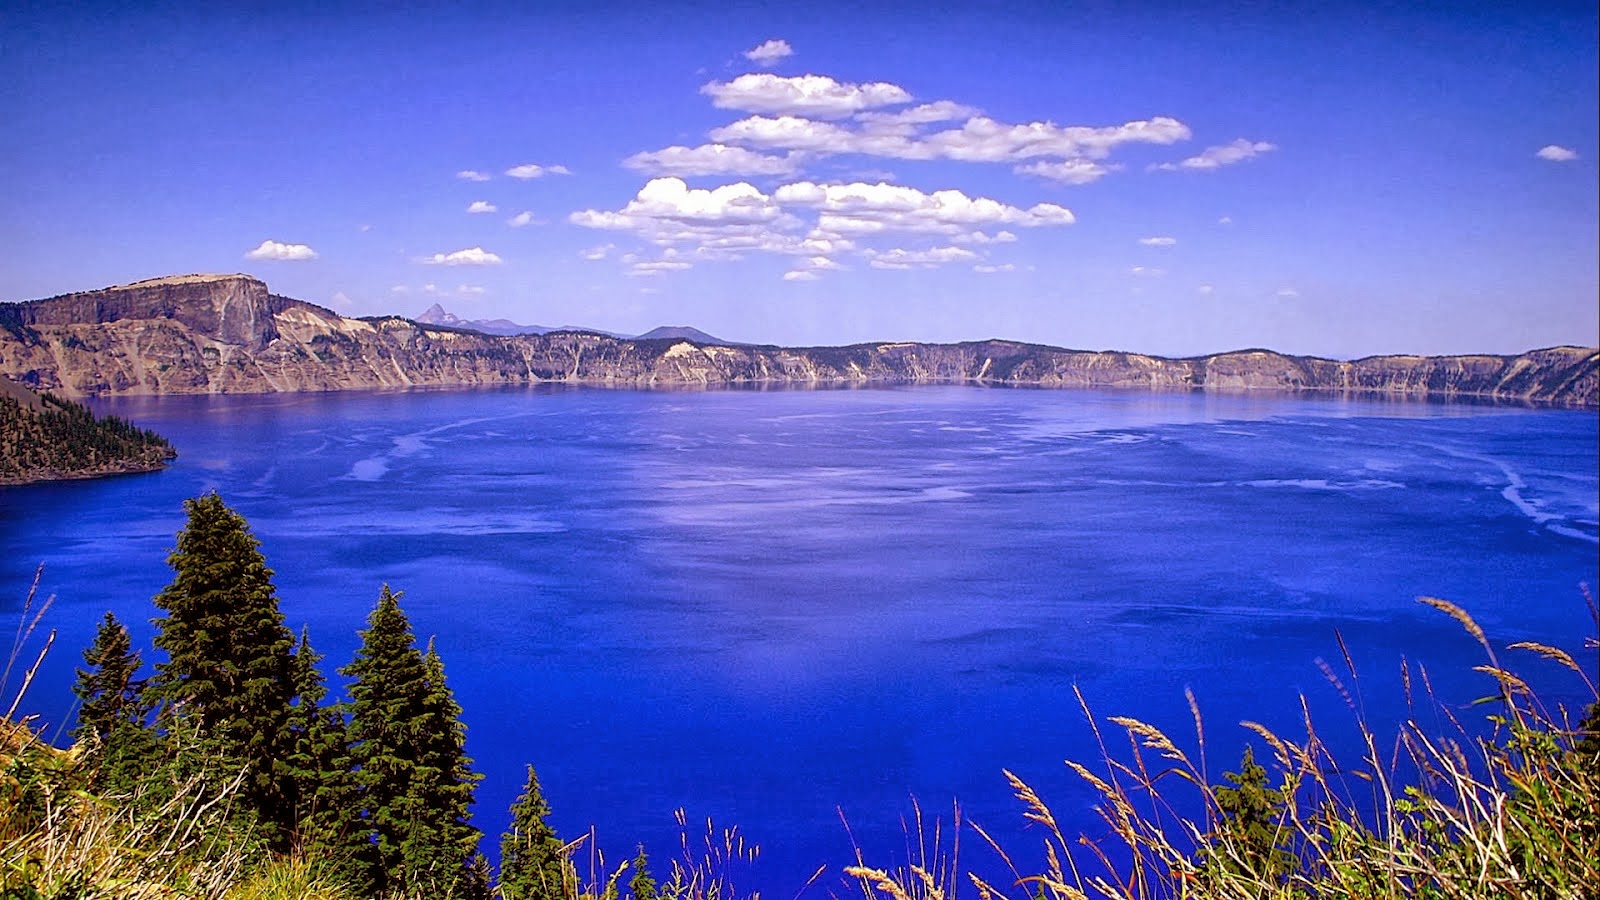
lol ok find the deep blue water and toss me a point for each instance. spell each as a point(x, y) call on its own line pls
point(773, 607)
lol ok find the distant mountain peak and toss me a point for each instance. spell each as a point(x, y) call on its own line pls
point(681, 332)
point(438, 315)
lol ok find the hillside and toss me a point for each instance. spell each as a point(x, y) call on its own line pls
point(46, 438)
point(228, 334)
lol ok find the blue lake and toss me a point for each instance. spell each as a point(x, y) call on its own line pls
point(776, 607)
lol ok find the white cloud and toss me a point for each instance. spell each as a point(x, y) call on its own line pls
point(982, 139)
point(670, 198)
point(807, 269)
point(767, 53)
point(787, 133)
point(521, 219)
point(472, 256)
point(990, 270)
point(802, 95)
point(472, 175)
point(1225, 220)
point(339, 298)
point(860, 208)
point(1146, 272)
point(528, 171)
point(1206, 289)
point(1158, 241)
point(921, 259)
point(978, 139)
point(667, 263)
point(922, 114)
point(482, 206)
point(279, 252)
point(470, 290)
point(979, 237)
point(1220, 155)
point(712, 159)
point(1557, 153)
point(596, 253)
point(722, 222)
point(1068, 171)
point(398, 289)
point(1288, 293)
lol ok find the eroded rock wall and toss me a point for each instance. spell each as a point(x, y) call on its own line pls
point(228, 334)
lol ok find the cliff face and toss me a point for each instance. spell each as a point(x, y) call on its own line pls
point(227, 333)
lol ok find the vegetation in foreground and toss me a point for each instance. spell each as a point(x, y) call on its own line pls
point(229, 774)
point(44, 437)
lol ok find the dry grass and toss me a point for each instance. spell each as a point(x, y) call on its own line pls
point(1514, 813)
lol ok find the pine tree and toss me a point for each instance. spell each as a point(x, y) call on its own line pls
point(119, 746)
point(642, 885)
point(110, 691)
point(533, 864)
point(1251, 831)
point(327, 802)
point(407, 743)
point(229, 673)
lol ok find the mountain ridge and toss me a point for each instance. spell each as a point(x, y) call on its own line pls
point(230, 334)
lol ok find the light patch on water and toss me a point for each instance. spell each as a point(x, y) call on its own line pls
point(370, 469)
point(1323, 484)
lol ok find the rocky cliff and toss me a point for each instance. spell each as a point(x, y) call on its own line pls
point(227, 333)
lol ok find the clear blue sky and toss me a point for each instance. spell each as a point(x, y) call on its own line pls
point(1166, 177)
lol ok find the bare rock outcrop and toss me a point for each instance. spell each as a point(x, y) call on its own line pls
point(229, 334)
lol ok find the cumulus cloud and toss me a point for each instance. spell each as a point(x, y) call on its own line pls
point(918, 259)
point(847, 209)
point(982, 139)
point(1225, 220)
point(1288, 293)
point(597, 253)
point(802, 95)
point(669, 262)
point(472, 175)
point(280, 252)
point(1557, 153)
point(1146, 272)
point(1206, 289)
point(528, 171)
point(470, 290)
point(671, 198)
point(472, 256)
point(808, 268)
point(977, 139)
point(482, 206)
point(1162, 241)
point(722, 222)
point(767, 53)
point(1068, 171)
point(990, 270)
point(521, 219)
point(1220, 155)
point(712, 159)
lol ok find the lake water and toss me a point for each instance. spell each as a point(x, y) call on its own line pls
point(774, 607)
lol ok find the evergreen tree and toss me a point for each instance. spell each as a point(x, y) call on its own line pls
point(642, 885)
point(229, 672)
point(118, 745)
point(1251, 826)
point(109, 689)
point(327, 803)
point(533, 864)
point(407, 743)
